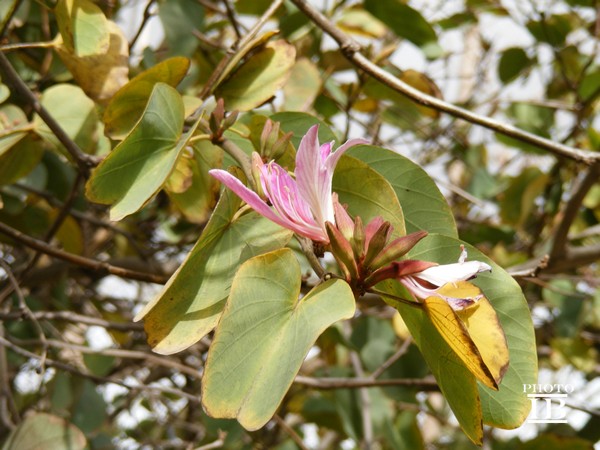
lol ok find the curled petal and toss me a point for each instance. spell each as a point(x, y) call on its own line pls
point(451, 273)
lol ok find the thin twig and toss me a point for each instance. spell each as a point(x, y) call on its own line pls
point(69, 316)
point(392, 359)
point(307, 248)
point(351, 51)
point(232, 18)
point(290, 431)
point(117, 353)
point(571, 210)
point(88, 263)
point(145, 17)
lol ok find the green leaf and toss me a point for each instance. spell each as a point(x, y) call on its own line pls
point(75, 113)
point(191, 303)
point(138, 167)
point(257, 80)
point(44, 431)
point(265, 334)
point(512, 63)
point(552, 30)
point(127, 105)
point(517, 203)
point(403, 20)
point(20, 159)
point(370, 198)
point(423, 205)
point(82, 26)
point(180, 19)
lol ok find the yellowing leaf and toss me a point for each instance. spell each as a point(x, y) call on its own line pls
point(83, 27)
point(257, 80)
point(181, 178)
point(425, 84)
point(100, 75)
point(400, 327)
point(361, 23)
point(127, 105)
point(482, 324)
point(303, 86)
point(456, 335)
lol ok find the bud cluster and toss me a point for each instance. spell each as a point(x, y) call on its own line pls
point(364, 251)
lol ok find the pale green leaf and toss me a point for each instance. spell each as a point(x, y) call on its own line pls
point(264, 335)
point(191, 303)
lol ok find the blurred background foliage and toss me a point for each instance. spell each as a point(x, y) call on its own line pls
point(69, 350)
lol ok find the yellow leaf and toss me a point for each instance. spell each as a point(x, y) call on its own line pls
point(181, 178)
point(400, 327)
point(455, 333)
point(485, 330)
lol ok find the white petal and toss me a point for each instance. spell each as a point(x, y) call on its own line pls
point(451, 273)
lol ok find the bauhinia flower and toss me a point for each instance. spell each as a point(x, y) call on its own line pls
point(425, 279)
point(302, 205)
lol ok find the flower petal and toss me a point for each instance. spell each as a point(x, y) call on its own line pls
point(451, 273)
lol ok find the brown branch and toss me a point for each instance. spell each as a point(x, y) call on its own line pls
point(117, 353)
point(290, 431)
point(571, 209)
point(88, 263)
point(351, 51)
point(83, 160)
point(69, 316)
point(423, 384)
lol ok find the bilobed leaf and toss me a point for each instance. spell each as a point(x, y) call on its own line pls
point(127, 105)
point(403, 20)
point(82, 26)
point(264, 335)
point(257, 79)
point(75, 113)
point(100, 75)
point(191, 303)
point(371, 197)
point(44, 431)
point(138, 167)
point(457, 337)
point(423, 205)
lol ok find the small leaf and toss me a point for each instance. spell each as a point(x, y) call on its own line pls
point(127, 105)
point(44, 431)
point(100, 75)
point(512, 63)
point(403, 20)
point(13, 126)
point(20, 159)
point(361, 23)
point(82, 26)
point(257, 80)
point(191, 303)
point(264, 335)
point(138, 167)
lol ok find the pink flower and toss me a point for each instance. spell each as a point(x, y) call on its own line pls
point(302, 205)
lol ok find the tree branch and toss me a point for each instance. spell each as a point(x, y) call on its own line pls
point(88, 263)
point(423, 384)
point(351, 51)
point(83, 160)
